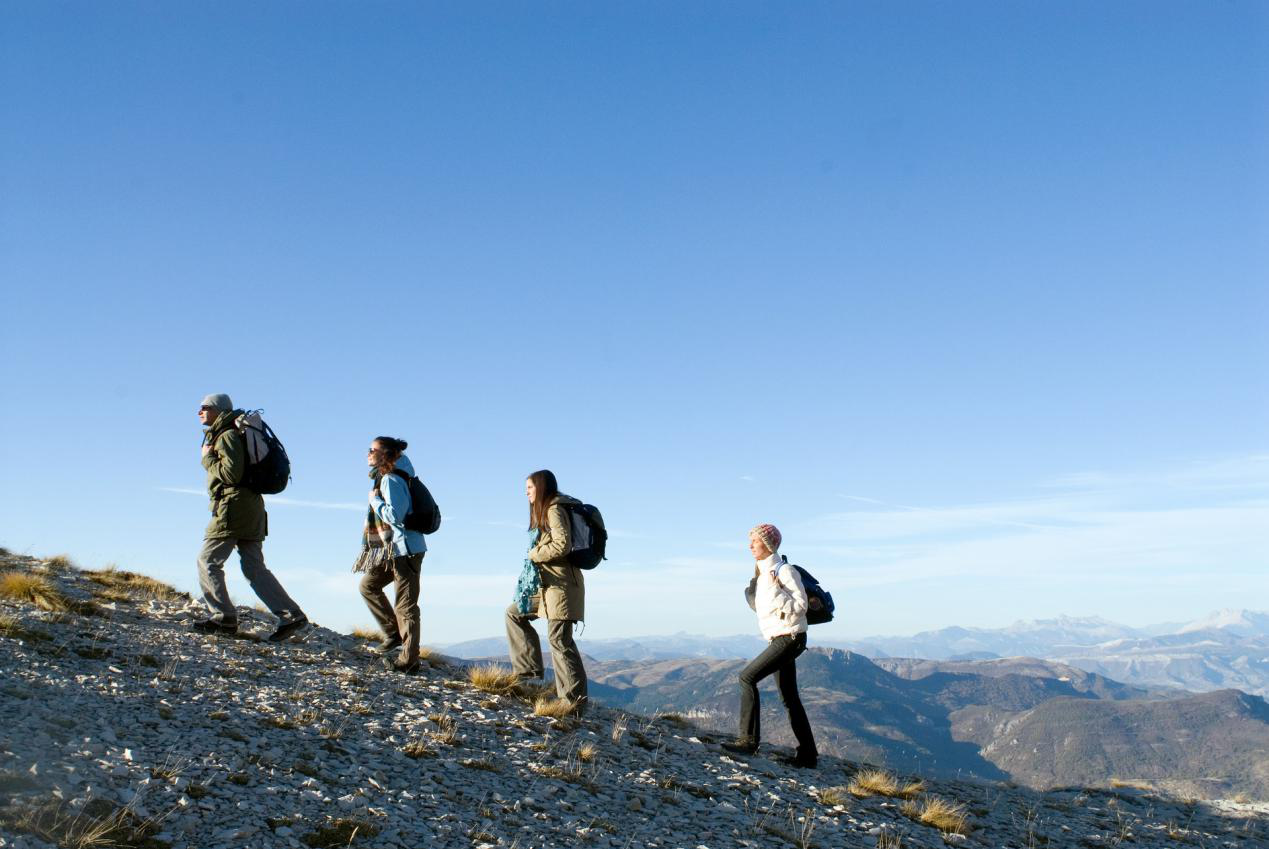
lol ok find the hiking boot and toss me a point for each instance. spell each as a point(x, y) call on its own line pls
point(215, 626)
point(798, 761)
point(741, 746)
point(404, 668)
point(389, 645)
point(287, 628)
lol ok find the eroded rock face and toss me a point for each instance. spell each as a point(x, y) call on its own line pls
point(121, 718)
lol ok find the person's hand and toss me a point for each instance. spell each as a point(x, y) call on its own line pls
point(206, 449)
point(373, 495)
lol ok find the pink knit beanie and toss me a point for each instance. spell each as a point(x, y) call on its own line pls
point(769, 534)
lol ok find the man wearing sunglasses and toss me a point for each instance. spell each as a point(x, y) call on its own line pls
point(238, 521)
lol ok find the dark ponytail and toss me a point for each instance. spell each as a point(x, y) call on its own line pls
point(391, 450)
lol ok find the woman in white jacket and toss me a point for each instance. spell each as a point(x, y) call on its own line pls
point(780, 602)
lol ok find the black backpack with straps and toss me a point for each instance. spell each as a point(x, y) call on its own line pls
point(424, 515)
point(819, 601)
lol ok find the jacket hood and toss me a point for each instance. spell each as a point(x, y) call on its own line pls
point(403, 464)
point(565, 499)
point(224, 420)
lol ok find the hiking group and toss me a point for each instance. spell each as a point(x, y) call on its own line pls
point(245, 461)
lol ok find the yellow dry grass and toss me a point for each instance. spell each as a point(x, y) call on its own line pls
point(134, 584)
point(367, 633)
point(492, 678)
point(58, 563)
point(947, 817)
point(587, 751)
point(873, 782)
point(833, 796)
point(32, 589)
point(553, 707)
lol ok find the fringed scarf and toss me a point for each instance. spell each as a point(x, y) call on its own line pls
point(529, 583)
point(376, 537)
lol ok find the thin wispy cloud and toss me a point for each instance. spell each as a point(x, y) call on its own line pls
point(1209, 522)
point(283, 500)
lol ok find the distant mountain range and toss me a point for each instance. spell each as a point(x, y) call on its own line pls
point(1066, 701)
point(1039, 723)
point(1228, 649)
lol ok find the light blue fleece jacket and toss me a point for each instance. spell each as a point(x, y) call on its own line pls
point(392, 504)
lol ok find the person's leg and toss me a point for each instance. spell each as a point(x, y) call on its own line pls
point(760, 667)
point(787, 684)
point(264, 584)
point(570, 675)
point(407, 570)
point(372, 583)
point(211, 579)
point(523, 643)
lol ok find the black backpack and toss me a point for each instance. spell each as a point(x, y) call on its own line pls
point(587, 540)
point(424, 515)
point(819, 601)
point(268, 468)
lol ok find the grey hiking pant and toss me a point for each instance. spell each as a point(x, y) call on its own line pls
point(526, 653)
point(211, 579)
point(402, 620)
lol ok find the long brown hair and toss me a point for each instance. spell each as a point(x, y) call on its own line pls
point(390, 450)
point(546, 487)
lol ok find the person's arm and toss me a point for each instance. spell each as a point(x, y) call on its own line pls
point(790, 595)
point(554, 546)
point(227, 461)
point(392, 501)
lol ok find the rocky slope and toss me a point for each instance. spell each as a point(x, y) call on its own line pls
point(124, 728)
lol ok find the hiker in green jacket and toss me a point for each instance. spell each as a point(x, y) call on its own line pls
point(238, 521)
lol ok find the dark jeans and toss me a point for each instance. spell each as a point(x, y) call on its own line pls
point(778, 658)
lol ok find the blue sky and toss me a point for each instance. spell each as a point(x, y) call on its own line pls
point(969, 299)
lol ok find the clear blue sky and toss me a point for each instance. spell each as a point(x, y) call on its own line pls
point(969, 299)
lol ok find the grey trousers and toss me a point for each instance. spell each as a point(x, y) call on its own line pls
point(211, 579)
point(526, 653)
point(402, 620)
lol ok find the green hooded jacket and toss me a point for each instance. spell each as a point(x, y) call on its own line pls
point(237, 512)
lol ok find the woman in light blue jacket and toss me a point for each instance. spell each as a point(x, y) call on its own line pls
point(391, 553)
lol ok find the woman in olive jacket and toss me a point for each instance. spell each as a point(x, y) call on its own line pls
point(552, 587)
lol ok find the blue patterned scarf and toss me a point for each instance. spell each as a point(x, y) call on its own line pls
point(528, 584)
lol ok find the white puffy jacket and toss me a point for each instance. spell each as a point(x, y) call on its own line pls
point(779, 599)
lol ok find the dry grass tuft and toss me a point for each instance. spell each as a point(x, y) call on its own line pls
point(446, 728)
point(911, 790)
point(340, 832)
point(58, 563)
point(492, 678)
point(587, 751)
point(134, 585)
point(552, 707)
point(889, 839)
point(480, 763)
point(947, 817)
point(833, 796)
point(418, 749)
point(98, 823)
point(367, 634)
point(32, 589)
point(619, 728)
point(11, 626)
point(873, 782)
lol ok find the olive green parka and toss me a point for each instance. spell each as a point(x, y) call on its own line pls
point(237, 512)
point(563, 594)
